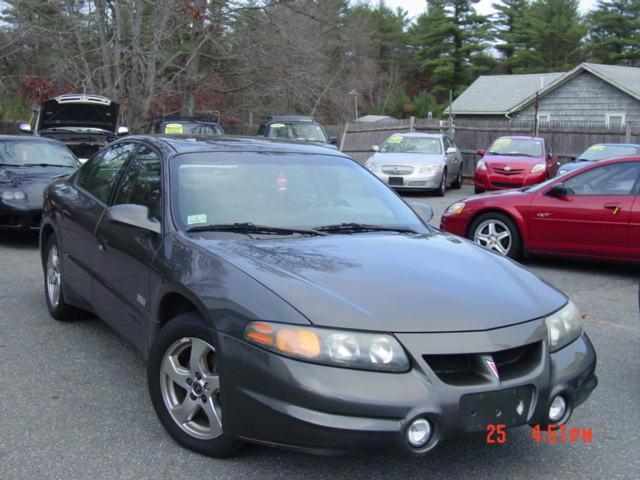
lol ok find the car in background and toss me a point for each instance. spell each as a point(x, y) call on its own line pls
point(84, 123)
point(27, 166)
point(600, 151)
point(515, 162)
point(282, 295)
point(296, 127)
point(202, 125)
point(418, 161)
point(593, 212)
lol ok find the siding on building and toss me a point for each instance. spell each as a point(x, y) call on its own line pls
point(584, 98)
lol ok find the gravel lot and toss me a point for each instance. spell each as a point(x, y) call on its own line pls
point(75, 405)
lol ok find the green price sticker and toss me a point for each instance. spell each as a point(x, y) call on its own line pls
point(395, 139)
point(193, 219)
point(173, 128)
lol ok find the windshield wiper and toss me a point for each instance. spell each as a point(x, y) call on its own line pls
point(248, 227)
point(361, 227)
point(46, 165)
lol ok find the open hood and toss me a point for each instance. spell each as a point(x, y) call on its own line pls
point(80, 111)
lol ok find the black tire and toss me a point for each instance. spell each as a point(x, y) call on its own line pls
point(61, 310)
point(515, 249)
point(442, 189)
point(457, 184)
point(478, 190)
point(187, 325)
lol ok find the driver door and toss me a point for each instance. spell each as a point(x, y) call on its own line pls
point(592, 219)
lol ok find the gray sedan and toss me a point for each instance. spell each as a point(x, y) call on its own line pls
point(415, 161)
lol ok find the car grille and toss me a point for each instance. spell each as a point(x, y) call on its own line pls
point(471, 369)
point(397, 169)
point(506, 184)
point(507, 170)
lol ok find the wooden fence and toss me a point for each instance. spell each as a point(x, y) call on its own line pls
point(568, 139)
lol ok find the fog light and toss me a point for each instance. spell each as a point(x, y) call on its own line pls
point(558, 409)
point(419, 432)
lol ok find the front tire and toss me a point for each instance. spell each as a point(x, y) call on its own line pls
point(185, 386)
point(498, 233)
point(442, 189)
point(53, 285)
point(457, 184)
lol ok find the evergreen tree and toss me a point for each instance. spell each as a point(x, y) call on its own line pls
point(614, 32)
point(552, 39)
point(509, 30)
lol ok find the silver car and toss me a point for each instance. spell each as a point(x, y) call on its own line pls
point(418, 161)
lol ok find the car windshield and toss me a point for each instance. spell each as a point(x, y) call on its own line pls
point(298, 131)
point(523, 147)
point(282, 190)
point(602, 152)
point(31, 153)
point(401, 144)
point(191, 128)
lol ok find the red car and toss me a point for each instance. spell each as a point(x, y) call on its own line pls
point(515, 162)
point(593, 212)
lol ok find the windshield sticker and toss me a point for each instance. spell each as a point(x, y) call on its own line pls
point(193, 219)
point(502, 142)
point(282, 182)
point(173, 128)
point(278, 125)
point(595, 148)
point(395, 139)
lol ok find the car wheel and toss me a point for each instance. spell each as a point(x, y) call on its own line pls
point(185, 388)
point(457, 184)
point(478, 190)
point(442, 189)
point(496, 232)
point(53, 285)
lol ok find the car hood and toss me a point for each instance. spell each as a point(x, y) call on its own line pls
point(393, 282)
point(406, 158)
point(31, 180)
point(571, 166)
point(513, 161)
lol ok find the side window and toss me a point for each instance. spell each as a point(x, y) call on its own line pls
point(141, 183)
point(615, 179)
point(447, 143)
point(98, 176)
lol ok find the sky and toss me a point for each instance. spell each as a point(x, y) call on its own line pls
point(416, 7)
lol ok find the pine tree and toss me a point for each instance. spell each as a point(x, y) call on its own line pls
point(614, 32)
point(553, 37)
point(509, 30)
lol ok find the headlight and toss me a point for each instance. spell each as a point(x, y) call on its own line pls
point(564, 326)
point(429, 168)
point(455, 209)
point(342, 348)
point(372, 166)
point(481, 165)
point(538, 167)
point(13, 195)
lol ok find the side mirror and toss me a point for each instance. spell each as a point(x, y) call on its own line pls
point(25, 128)
point(333, 140)
point(480, 152)
point(375, 148)
point(549, 156)
point(134, 216)
point(451, 150)
point(558, 190)
point(425, 212)
point(122, 131)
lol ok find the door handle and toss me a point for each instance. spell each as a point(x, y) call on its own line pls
point(613, 206)
point(102, 247)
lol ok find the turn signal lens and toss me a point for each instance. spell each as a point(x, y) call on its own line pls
point(481, 165)
point(344, 348)
point(538, 167)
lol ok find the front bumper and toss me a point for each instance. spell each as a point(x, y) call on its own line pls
point(278, 401)
point(17, 216)
point(412, 181)
point(489, 180)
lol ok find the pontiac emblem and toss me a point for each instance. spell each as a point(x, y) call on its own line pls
point(493, 367)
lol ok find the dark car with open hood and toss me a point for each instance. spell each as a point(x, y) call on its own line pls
point(84, 123)
point(283, 295)
point(27, 166)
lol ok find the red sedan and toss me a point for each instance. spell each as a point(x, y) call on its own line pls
point(593, 212)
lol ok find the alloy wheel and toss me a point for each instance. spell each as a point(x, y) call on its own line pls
point(190, 386)
point(53, 276)
point(494, 235)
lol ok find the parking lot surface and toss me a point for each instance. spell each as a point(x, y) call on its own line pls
point(74, 402)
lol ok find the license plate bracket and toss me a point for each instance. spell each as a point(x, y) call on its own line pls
point(509, 407)
point(396, 181)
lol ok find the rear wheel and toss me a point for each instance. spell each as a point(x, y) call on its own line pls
point(185, 388)
point(497, 232)
point(53, 285)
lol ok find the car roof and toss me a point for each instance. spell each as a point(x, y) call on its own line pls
point(627, 159)
point(636, 145)
point(522, 137)
point(191, 143)
point(289, 118)
point(25, 138)
point(420, 134)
